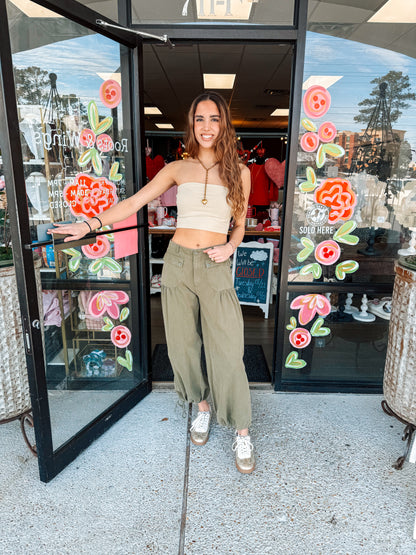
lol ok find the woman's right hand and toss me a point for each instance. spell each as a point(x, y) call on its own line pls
point(74, 231)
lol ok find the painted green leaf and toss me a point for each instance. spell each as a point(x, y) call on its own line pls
point(96, 162)
point(111, 263)
point(71, 252)
point(104, 125)
point(333, 150)
point(93, 117)
point(320, 157)
point(114, 175)
point(74, 263)
point(314, 269)
point(306, 187)
point(95, 266)
point(308, 124)
point(108, 324)
point(317, 330)
point(346, 267)
point(304, 253)
point(342, 234)
point(85, 157)
point(126, 362)
point(124, 314)
point(293, 361)
point(311, 175)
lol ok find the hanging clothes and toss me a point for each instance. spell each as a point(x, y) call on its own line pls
point(260, 185)
point(153, 166)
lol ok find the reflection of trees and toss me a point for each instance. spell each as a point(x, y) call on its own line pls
point(397, 96)
point(377, 152)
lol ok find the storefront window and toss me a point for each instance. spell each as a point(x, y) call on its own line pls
point(260, 12)
point(354, 211)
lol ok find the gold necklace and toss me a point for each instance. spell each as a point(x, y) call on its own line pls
point(205, 200)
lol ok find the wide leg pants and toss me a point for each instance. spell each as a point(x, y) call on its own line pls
point(200, 305)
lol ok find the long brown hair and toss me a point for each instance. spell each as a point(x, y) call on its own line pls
point(225, 149)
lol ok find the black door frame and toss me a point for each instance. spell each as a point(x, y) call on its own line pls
point(296, 35)
point(52, 462)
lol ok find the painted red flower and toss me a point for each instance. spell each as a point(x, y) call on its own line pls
point(338, 195)
point(121, 336)
point(300, 338)
point(89, 195)
point(310, 305)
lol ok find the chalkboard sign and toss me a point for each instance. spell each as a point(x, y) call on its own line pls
point(252, 273)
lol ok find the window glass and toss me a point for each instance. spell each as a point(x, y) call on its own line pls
point(264, 12)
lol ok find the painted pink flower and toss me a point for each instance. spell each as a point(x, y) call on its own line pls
point(98, 249)
point(327, 252)
point(121, 336)
point(309, 305)
point(309, 142)
point(107, 301)
point(300, 338)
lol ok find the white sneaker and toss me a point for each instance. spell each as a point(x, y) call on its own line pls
point(244, 454)
point(200, 428)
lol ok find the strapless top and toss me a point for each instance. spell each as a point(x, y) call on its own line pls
point(214, 216)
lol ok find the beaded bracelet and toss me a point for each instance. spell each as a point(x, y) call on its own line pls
point(97, 218)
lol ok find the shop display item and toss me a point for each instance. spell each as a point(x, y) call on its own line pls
point(364, 316)
point(349, 309)
point(380, 307)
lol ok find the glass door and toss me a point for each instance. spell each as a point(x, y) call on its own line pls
point(71, 138)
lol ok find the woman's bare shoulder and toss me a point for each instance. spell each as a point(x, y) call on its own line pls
point(244, 170)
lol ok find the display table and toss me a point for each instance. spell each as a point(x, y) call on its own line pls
point(399, 384)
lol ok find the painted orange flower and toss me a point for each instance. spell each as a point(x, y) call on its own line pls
point(89, 196)
point(338, 195)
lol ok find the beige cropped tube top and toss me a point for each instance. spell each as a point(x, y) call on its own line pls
point(214, 216)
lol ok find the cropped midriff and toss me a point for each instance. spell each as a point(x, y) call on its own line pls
point(202, 225)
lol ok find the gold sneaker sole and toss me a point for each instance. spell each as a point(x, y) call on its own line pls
point(244, 471)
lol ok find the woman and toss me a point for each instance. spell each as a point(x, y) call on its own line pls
point(199, 302)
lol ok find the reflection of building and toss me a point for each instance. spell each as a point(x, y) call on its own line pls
point(352, 142)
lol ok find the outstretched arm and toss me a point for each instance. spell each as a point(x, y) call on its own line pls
point(122, 210)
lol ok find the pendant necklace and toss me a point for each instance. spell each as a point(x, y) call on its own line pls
point(205, 200)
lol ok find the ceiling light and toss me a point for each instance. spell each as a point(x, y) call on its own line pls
point(222, 10)
point(107, 76)
point(280, 112)
point(323, 80)
point(395, 11)
point(219, 80)
point(33, 10)
point(164, 125)
point(152, 111)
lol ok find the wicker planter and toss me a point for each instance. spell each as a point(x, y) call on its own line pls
point(14, 386)
point(400, 370)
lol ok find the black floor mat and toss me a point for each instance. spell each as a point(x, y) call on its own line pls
point(254, 360)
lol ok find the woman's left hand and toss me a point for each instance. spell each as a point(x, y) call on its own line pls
point(220, 253)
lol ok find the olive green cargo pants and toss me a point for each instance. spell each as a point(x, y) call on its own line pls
point(200, 305)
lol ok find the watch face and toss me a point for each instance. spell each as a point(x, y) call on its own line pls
point(317, 214)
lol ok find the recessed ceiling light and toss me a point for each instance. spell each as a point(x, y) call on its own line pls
point(280, 112)
point(223, 10)
point(323, 80)
point(152, 111)
point(219, 80)
point(395, 11)
point(164, 125)
point(107, 76)
point(33, 10)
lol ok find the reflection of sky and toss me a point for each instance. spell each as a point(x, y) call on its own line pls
point(76, 62)
point(358, 64)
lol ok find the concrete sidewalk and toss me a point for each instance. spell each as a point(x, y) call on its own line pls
point(324, 484)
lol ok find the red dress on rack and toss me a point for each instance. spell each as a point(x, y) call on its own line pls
point(260, 185)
